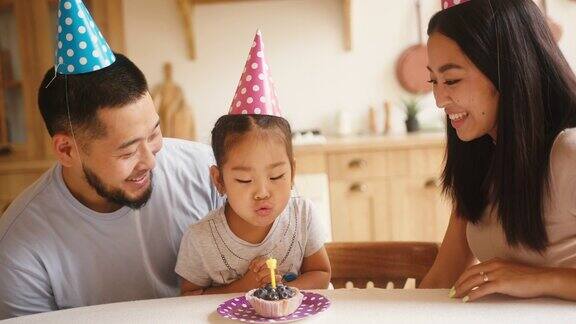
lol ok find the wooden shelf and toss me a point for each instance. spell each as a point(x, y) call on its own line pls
point(218, 1)
point(6, 5)
point(186, 8)
point(347, 24)
point(11, 84)
point(11, 165)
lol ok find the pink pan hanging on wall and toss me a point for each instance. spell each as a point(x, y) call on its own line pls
point(411, 69)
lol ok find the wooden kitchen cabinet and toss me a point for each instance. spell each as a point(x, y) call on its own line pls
point(384, 188)
point(418, 210)
point(361, 210)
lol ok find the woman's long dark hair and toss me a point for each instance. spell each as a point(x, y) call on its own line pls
point(511, 44)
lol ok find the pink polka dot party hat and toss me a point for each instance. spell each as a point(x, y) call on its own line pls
point(256, 94)
point(446, 4)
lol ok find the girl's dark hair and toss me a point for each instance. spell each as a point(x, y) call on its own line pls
point(229, 129)
point(510, 43)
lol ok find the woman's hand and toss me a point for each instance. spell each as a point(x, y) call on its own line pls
point(454, 256)
point(502, 277)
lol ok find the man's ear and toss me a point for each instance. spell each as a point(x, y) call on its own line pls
point(217, 179)
point(65, 149)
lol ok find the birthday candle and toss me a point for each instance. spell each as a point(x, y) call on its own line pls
point(271, 264)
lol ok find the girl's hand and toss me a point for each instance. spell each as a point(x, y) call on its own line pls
point(256, 276)
point(250, 279)
point(261, 272)
point(501, 277)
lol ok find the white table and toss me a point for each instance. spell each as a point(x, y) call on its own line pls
point(348, 306)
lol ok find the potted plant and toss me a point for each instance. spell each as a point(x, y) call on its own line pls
point(412, 108)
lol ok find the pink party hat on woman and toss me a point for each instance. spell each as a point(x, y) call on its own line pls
point(256, 94)
point(451, 3)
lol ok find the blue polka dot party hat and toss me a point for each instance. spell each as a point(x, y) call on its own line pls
point(81, 48)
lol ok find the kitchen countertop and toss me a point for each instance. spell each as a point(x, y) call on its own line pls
point(367, 142)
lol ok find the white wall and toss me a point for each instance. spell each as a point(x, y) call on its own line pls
point(314, 75)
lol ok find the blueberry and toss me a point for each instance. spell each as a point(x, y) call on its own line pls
point(285, 295)
point(268, 287)
point(260, 293)
point(272, 296)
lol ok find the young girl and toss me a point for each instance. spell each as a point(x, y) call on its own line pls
point(226, 251)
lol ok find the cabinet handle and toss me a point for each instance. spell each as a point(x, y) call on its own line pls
point(431, 183)
point(357, 164)
point(359, 187)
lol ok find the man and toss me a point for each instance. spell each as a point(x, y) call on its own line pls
point(104, 223)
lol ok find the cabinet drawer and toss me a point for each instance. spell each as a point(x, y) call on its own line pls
point(385, 163)
point(360, 165)
point(310, 163)
point(425, 162)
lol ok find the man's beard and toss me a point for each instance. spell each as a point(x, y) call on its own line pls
point(115, 195)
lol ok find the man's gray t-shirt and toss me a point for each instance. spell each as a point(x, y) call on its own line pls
point(56, 253)
point(212, 255)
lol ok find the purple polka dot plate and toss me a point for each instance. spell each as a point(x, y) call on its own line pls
point(239, 309)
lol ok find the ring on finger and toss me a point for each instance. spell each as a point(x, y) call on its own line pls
point(484, 276)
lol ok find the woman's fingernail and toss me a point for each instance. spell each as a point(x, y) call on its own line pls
point(466, 299)
point(452, 292)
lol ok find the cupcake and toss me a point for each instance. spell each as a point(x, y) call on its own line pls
point(274, 302)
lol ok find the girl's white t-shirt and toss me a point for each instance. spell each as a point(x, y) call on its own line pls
point(211, 255)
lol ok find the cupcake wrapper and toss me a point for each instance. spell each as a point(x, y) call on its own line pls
point(275, 308)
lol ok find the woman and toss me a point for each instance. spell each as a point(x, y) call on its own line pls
point(510, 99)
